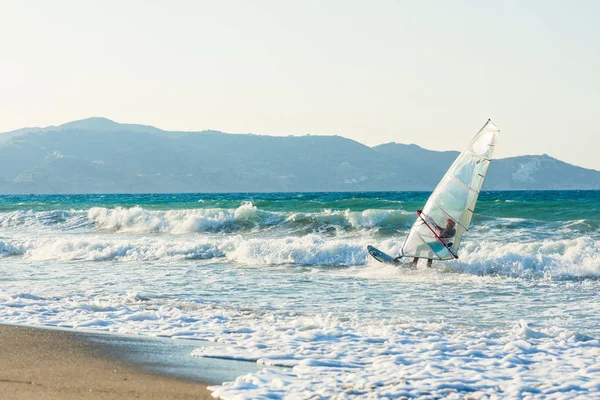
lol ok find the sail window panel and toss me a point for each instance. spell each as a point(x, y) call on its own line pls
point(433, 242)
point(418, 248)
point(433, 213)
point(422, 243)
point(442, 252)
point(451, 196)
point(463, 169)
point(436, 216)
point(416, 245)
point(483, 145)
point(423, 230)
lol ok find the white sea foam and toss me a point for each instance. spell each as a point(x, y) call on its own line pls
point(9, 247)
point(565, 258)
point(348, 357)
point(98, 248)
point(304, 250)
point(548, 259)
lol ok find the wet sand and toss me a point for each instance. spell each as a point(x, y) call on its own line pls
point(56, 364)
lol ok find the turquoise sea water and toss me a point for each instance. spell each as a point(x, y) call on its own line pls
point(285, 279)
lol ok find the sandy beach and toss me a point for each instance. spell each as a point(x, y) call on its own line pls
point(55, 364)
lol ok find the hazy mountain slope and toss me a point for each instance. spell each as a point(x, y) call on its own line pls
point(540, 172)
point(95, 124)
point(85, 161)
point(99, 155)
point(513, 173)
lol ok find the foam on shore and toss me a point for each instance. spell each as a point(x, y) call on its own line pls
point(352, 355)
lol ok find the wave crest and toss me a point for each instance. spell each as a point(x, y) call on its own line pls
point(551, 259)
point(246, 217)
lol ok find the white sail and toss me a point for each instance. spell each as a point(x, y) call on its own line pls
point(452, 202)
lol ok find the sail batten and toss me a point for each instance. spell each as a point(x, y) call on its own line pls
point(478, 156)
point(450, 207)
point(448, 215)
point(461, 182)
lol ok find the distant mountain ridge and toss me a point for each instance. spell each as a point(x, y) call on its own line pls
point(97, 155)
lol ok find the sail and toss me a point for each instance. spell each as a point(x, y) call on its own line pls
point(439, 228)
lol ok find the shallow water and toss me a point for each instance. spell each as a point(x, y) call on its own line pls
point(285, 280)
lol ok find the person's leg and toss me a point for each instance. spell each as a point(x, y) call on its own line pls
point(414, 262)
point(429, 263)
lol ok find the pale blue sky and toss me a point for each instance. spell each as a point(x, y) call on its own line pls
point(425, 72)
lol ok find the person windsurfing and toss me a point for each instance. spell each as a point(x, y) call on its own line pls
point(453, 198)
point(446, 233)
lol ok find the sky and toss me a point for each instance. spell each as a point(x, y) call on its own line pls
point(424, 72)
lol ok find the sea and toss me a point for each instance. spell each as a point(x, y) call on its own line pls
point(284, 281)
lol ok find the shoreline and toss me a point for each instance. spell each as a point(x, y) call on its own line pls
point(53, 363)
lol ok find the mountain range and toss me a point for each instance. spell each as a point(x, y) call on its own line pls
point(97, 155)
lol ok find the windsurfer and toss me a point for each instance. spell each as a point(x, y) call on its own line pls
point(445, 233)
point(453, 198)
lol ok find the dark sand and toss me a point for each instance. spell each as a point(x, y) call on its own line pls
point(56, 364)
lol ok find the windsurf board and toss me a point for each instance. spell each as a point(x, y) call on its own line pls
point(381, 256)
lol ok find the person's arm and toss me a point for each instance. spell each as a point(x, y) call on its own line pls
point(447, 233)
point(439, 228)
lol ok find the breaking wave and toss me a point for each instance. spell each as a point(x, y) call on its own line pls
point(246, 217)
point(547, 259)
point(552, 259)
point(64, 219)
